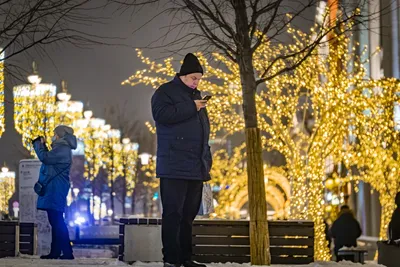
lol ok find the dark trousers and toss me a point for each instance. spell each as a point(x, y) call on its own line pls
point(59, 234)
point(181, 202)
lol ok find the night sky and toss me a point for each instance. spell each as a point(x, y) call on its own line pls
point(94, 75)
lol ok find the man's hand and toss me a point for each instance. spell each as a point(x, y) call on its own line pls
point(200, 104)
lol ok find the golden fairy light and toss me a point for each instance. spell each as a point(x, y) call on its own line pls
point(90, 131)
point(34, 109)
point(307, 114)
point(67, 111)
point(128, 163)
point(7, 188)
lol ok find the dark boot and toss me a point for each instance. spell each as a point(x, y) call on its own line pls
point(193, 264)
point(50, 257)
point(67, 257)
point(166, 264)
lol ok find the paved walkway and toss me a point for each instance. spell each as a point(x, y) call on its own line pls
point(36, 262)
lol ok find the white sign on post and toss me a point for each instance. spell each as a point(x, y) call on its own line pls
point(28, 175)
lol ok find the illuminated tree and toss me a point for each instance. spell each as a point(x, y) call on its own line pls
point(239, 30)
point(376, 147)
point(89, 130)
point(229, 176)
point(112, 160)
point(306, 114)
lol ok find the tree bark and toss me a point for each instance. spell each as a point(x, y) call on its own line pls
point(259, 234)
point(112, 201)
point(124, 192)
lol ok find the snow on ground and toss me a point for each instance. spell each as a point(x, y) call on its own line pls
point(31, 261)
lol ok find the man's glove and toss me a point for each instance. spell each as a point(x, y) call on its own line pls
point(36, 139)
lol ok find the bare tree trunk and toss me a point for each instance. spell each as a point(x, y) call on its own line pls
point(259, 234)
point(124, 192)
point(112, 200)
point(133, 201)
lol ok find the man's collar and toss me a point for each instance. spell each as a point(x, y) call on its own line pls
point(178, 81)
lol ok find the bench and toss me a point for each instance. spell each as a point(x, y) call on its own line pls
point(291, 242)
point(17, 238)
point(355, 255)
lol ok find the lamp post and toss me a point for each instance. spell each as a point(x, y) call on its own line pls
point(7, 188)
point(128, 157)
point(89, 130)
point(111, 160)
point(67, 111)
point(34, 109)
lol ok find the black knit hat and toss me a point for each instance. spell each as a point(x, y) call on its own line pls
point(191, 64)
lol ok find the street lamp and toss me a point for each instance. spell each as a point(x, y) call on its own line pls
point(129, 158)
point(90, 131)
point(34, 108)
point(111, 160)
point(7, 188)
point(67, 111)
point(144, 158)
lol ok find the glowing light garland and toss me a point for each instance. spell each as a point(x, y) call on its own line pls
point(308, 114)
point(2, 111)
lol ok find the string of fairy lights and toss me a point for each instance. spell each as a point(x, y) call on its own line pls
point(39, 109)
point(309, 115)
point(2, 114)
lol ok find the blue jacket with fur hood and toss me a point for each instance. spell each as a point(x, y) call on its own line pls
point(56, 165)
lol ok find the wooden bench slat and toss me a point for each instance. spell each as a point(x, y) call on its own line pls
point(291, 260)
point(220, 230)
point(219, 250)
point(291, 231)
point(7, 238)
point(7, 246)
point(205, 240)
point(7, 229)
point(291, 242)
point(26, 230)
point(221, 259)
point(9, 253)
point(25, 239)
point(221, 222)
point(279, 251)
point(245, 251)
point(8, 223)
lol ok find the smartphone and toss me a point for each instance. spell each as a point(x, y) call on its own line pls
point(207, 97)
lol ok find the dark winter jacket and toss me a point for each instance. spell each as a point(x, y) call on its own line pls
point(345, 231)
point(56, 165)
point(394, 225)
point(182, 133)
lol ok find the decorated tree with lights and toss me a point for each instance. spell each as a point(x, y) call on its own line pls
point(129, 162)
point(305, 114)
point(112, 160)
point(229, 177)
point(34, 109)
point(376, 146)
point(90, 131)
point(238, 30)
point(151, 184)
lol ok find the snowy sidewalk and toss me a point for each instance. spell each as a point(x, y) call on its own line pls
point(36, 262)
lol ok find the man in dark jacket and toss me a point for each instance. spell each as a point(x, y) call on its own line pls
point(183, 158)
point(345, 230)
point(394, 225)
point(54, 176)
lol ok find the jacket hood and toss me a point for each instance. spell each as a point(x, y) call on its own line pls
point(397, 199)
point(68, 139)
